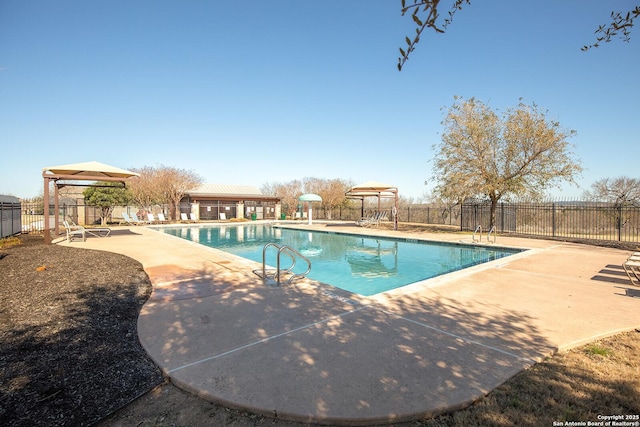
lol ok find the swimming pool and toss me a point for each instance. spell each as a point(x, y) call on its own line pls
point(364, 265)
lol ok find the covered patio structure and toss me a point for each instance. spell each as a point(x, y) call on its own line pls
point(69, 174)
point(379, 190)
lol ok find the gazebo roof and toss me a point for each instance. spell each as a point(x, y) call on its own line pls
point(87, 171)
point(372, 189)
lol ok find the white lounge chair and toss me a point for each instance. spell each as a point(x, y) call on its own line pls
point(632, 268)
point(126, 218)
point(137, 220)
point(78, 230)
point(184, 217)
point(151, 219)
point(73, 231)
point(223, 216)
point(162, 219)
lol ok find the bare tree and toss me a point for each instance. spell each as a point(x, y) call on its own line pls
point(524, 153)
point(163, 185)
point(621, 191)
point(332, 192)
point(426, 14)
point(145, 190)
point(174, 183)
point(288, 193)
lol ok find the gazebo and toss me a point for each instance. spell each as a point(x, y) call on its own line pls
point(379, 190)
point(88, 171)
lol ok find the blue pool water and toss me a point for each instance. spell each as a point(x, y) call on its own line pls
point(364, 265)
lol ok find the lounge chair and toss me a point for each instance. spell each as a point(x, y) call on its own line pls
point(126, 218)
point(632, 268)
point(78, 230)
point(184, 217)
point(151, 219)
point(137, 220)
point(73, 231)
point(371, 221)
point(162, 219)
point(361, 222)
point(223, 216)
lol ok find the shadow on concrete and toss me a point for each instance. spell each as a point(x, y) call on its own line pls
point(318, 354)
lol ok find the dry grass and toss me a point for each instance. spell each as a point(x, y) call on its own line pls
point(601, 378)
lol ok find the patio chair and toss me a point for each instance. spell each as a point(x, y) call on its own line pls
point(632, 268)
point(73, 231)
point(126, 218)
point(184, 217)
point(162, 219)
point(373, 221)
point(151, 219)
point(361, 222)
point(137, 220)
point(93, 231)
point(223, 216)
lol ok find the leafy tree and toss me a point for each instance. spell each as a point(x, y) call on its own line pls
point(106, 196)
point(426, 14)
point(482, 154)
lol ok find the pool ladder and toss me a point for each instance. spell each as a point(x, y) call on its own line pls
point(278, 274)
point(478, 230)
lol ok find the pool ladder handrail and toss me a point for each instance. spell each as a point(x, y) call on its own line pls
point(491, 231)
point(292, 253)
point(477, 230)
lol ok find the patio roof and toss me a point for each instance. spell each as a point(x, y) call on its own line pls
point(87, 171)
point(379, 190)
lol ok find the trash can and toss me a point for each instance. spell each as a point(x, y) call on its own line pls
point(283, 216)
point(254, 216)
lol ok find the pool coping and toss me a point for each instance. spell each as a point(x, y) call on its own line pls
point(303, 353)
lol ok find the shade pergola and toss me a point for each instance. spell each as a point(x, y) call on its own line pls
point(379, 190)
point(88, 171)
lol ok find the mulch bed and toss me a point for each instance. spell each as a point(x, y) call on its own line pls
point(70, 353)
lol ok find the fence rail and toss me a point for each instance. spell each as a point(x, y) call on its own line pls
point(577, 220)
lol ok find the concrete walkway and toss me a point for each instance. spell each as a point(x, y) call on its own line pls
point(311, 352)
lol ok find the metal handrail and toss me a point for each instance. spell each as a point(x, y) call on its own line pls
point(478, 229)
point(292, 253)
point(492, 230)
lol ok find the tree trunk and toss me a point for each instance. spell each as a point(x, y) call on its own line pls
point(492, 216)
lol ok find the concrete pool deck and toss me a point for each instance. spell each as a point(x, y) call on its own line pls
point(313, 353)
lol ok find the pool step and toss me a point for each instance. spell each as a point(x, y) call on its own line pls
point(270, 278)
point(278, 275)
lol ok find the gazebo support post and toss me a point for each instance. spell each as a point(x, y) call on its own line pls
point(45, 202)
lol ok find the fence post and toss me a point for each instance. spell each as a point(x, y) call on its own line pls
point(553, 219)
point(619, 222)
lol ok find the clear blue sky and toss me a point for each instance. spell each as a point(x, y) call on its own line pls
point(269, 91)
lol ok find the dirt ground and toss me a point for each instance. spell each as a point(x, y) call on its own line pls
point(70, 356)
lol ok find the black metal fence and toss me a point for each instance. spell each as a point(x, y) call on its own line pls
point(575, 220)
point(564, 219)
